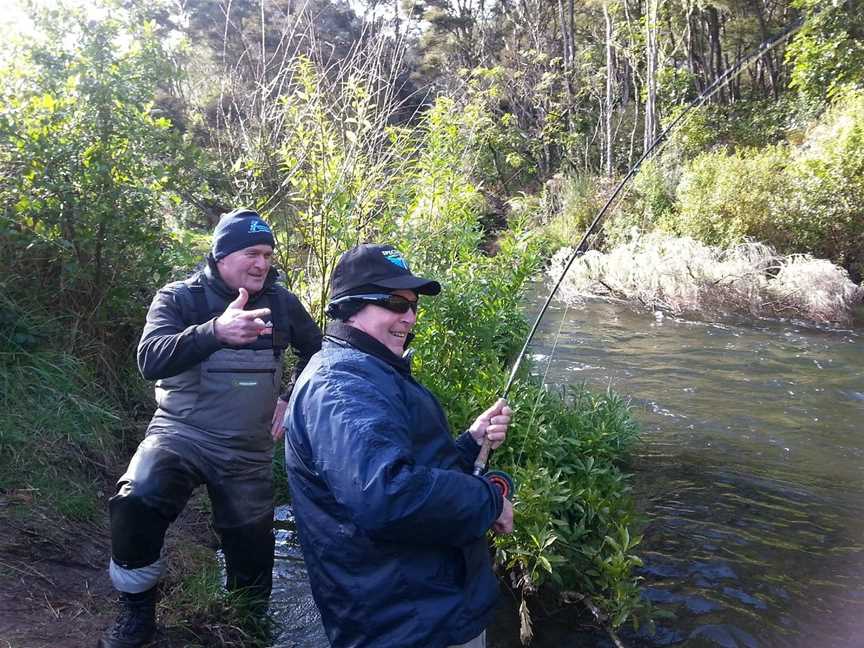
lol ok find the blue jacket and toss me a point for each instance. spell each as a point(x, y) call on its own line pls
point(391, 522)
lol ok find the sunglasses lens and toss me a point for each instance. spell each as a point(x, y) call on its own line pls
point(399, 304)
point(394, 303)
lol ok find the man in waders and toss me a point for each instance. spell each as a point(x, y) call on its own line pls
point(214, 344)
point(391, 521)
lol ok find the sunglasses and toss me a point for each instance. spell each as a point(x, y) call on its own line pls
point(393, 303)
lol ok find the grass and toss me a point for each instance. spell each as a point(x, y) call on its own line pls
point(196, 609)
point(57, 433)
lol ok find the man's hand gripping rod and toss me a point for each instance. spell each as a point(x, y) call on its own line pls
point(500, 479)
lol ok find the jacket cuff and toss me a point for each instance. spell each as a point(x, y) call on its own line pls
point(468, 447)
point(497, 498)
point(205, 337)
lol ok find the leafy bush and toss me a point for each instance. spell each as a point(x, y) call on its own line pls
point(726, 197)
point(84, 169)
point(827, 55)
point(806, 199)
point(574, 505)
point(649, 202)
point(567, 206)
point(826, 214)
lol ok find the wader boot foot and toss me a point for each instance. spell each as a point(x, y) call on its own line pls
point(136, 623)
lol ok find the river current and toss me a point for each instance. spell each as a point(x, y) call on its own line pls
point(749, 473)
point(749, 476)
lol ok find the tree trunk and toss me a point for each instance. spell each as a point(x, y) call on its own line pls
point(610, 74)
point(650, 74)
point(712, 19)
point(567, 57)
point(767, 59)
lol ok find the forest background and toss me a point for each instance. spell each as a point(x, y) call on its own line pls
point(478, 135)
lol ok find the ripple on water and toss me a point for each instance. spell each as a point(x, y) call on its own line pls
point(291, 603)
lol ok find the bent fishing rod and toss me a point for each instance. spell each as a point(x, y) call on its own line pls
point(499, 478)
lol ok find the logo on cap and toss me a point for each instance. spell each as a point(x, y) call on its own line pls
point(258, 226)
point(395, 257)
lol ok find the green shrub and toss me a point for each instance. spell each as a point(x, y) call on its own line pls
point(725, 197)
point(806, 199)
point(85, 166)
point(827, 54)
point(567, 206)
point(649, 202)
point(826, 216)
point(574, 504)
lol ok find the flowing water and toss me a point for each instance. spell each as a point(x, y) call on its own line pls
point(750, 471)
point(291, 603)
point(750, 474)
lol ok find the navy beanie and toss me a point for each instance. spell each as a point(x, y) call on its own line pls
point(240, 229)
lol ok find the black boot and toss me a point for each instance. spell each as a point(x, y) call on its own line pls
point(249, 560)
point(136, 623)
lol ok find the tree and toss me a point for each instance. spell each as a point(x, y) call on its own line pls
point(86, 170)
point(827, 55)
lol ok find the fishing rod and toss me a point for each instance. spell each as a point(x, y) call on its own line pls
point(499, 478)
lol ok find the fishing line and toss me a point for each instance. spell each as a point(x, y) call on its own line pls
point(543, 383)
point(581, 248)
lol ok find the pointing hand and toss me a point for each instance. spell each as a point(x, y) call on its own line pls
point(237, 326)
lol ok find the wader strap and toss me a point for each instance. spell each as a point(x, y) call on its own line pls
point(201, 306)
point(281, 337)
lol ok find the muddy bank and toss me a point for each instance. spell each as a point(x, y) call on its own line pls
point(55, 591)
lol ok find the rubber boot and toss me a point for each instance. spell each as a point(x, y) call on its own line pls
point(136, 623)
point(249, 560)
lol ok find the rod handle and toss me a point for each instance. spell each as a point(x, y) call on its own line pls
point(482, 458)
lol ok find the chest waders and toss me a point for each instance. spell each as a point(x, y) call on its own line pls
point(211, 427)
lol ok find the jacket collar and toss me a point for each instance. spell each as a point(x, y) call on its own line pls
point(367, 344)
point(211, 273)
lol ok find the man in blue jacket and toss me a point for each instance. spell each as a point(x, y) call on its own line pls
point(391, 521)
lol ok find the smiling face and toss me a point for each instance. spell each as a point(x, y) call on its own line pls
point(246, 268)
point(389, 328)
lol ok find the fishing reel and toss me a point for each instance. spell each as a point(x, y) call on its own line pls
point(502, 481)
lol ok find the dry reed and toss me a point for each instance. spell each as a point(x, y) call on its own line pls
point(681, 275)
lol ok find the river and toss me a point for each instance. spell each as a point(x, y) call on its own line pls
point(750, 471)
point(749, 474)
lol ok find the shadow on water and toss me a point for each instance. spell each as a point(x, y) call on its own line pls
point(749, 475)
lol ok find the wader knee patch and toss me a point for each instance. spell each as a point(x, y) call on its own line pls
point(137, 530)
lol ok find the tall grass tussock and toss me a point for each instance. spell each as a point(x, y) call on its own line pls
point(681, 275)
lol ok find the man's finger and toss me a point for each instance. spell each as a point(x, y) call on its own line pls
point(240, 301)
point(258, 313)
point(495, 409)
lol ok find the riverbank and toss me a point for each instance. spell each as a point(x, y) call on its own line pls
point(55, 590)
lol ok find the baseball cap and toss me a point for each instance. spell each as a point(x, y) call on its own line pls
point(372, 266)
